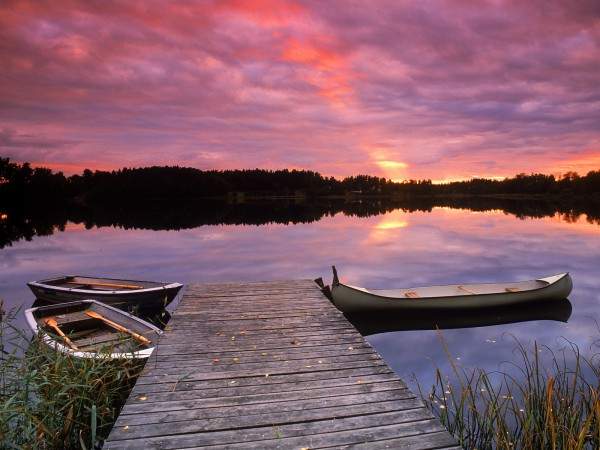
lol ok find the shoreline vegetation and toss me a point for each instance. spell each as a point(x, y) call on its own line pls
point(22, 184)
point(540, 399)
point(50, 400)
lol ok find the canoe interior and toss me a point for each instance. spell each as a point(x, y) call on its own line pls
point(91, 334)
point(456, 290)
point(101, 284)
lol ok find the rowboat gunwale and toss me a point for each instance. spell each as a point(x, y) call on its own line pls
point(52, 342)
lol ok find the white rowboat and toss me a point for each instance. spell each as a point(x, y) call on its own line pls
point(89, 329)
point(451, 297)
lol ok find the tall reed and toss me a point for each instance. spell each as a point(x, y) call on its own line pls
point(554, 404)
point(49, 399)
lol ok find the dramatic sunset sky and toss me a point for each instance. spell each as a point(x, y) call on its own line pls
point(423, 89)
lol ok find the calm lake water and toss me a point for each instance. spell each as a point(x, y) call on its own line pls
point(393, 249)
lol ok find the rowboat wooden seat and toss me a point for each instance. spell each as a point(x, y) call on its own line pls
point(74, 319)
point(411, 294)
point(107, 285)
point(94, 344)
point(512, 289)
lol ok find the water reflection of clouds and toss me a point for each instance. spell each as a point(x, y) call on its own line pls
point(513, 249)
point(393, 250)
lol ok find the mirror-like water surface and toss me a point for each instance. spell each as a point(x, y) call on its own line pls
point(393, 249)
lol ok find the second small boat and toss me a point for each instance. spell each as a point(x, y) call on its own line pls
point(452, 297)
point(122, 294)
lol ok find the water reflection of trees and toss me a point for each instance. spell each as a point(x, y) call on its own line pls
point(18, 224)
point(570, 209)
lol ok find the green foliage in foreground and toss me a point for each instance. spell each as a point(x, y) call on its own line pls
point(555, 406)
point(51, 400)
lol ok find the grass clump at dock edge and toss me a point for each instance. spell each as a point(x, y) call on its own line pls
point(49, 399)
point(544, 400)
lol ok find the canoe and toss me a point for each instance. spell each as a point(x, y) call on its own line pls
point(451, 297)
point(119, 293)
point(383, 321)
point(111, 333)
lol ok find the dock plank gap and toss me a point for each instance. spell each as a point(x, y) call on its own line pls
point(269, 365)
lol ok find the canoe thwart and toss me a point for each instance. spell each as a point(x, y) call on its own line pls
point(468, 291)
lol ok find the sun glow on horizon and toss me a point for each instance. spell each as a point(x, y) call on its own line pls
point(391, 224)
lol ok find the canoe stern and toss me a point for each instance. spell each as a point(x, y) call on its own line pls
point(559, 286)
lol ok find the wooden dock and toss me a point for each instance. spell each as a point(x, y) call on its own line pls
point(270, 365)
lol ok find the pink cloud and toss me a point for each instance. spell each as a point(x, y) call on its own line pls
point(405, 90)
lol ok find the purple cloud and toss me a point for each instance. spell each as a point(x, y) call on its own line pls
point(422, 89)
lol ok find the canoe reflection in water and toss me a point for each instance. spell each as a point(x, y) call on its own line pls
point(388, 321)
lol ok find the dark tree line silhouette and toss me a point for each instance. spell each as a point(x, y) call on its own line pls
point(26, 224)
point(20, 184)
point(38, 201)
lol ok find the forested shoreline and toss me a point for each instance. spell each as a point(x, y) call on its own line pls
point(22, 184)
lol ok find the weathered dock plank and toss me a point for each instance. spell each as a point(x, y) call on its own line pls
point(269, 365)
